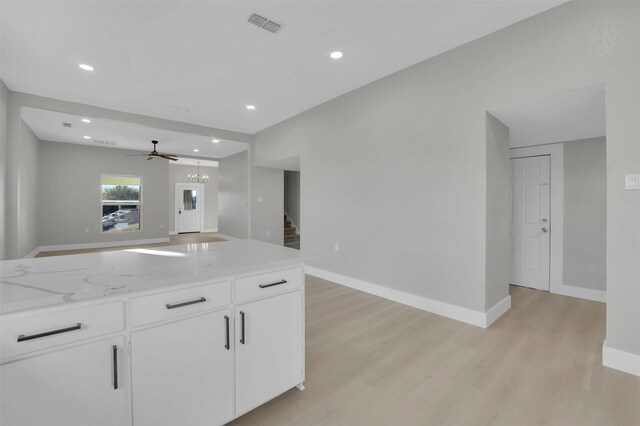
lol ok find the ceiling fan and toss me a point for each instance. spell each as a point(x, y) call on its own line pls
point(154, 154)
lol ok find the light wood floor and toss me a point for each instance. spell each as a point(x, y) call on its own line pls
point(371, 361)
point(194, 238)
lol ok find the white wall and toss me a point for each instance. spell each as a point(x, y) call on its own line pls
point(4, 98)
point(410, 149)
point(178, 174)
point(292, 196)
point(69, 200)
point(585, 213)
point(233, 199)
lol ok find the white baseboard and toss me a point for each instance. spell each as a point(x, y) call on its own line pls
point(581, 293)
point(229, 237)
point(469, 316)
point(620, 360)
point(211, 230)
point(497, 311)
point(97, 245)
point(33, 253)
point(173, 232)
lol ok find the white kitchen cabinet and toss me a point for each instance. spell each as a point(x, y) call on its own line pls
point(83, 385)
point(182, 372)
point(169, 320)
point(269, 349)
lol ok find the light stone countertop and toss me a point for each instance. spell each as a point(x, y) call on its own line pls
point(48, 281)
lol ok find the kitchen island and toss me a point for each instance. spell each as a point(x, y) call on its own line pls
point(196, 334)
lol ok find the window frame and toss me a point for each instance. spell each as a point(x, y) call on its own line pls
point(139, 203)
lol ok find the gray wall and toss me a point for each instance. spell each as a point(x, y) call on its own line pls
point(292, 196)
point(4, 98)
point(267, 184)
point(20, 183)
point(585, 213)
point(69, 193)
point(411, 149)
point(497, 238)
point(178, 174)
point(20, 202)
point(233, 200)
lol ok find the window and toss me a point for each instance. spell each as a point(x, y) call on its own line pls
point(121, 203)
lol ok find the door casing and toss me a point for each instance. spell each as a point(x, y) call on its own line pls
point(177, 200)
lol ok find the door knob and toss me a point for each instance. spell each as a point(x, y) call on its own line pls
point(545, 230)
point(544, 221)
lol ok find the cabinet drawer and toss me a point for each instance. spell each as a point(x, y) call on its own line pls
point(269, 283)
point(45, 330)
point(177, 303)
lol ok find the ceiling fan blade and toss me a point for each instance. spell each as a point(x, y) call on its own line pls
point(150, 157)
point(169, 157)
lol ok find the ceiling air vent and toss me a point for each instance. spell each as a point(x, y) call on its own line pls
point(103, 142)
point(66, 124)
point(264, 23)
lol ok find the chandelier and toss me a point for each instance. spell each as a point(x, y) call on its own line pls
point(198, 178)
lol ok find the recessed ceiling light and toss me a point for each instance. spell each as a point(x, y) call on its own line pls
point(87, 137)
point(196, 150)
point(215, 140)
point(86, 120)
point(251, 107)
point(336, 55)
point(86, 67)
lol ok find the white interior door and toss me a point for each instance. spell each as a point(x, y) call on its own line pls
point(530, 222)
point(189, 205)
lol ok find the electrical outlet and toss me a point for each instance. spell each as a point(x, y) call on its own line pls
point(86, 230)
point(260, 199)
point(336, 246)
point(268, 233)
point(162, 226)
point(632, 181)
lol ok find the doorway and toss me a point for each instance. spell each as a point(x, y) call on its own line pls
point(530, 222)
point(189, 207)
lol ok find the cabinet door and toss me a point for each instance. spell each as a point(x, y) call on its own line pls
point(83, 385)
point(182, 372)
point(269, 352)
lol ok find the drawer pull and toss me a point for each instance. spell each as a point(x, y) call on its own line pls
point(242, 327)
point(115, 367)
point(191, 302)
point(24, 337)
point(226, 321)
point(272, 284)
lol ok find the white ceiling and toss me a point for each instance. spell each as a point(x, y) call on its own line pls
point(47, 126)
point(201, 62)
point(578, 114)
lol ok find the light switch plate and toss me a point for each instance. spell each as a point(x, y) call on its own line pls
point(260, 199)
point(632, 181)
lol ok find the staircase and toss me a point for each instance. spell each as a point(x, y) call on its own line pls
point(291, 239)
